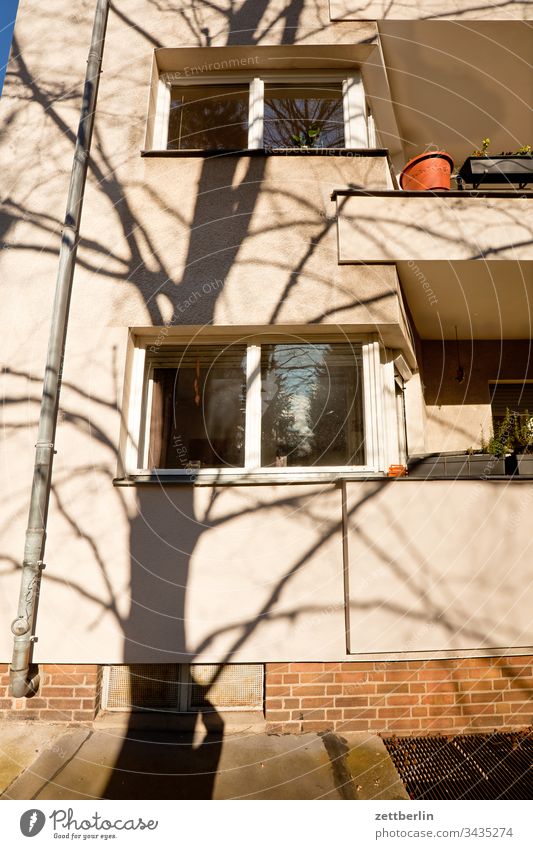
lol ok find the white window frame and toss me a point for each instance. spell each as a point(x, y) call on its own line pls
point(359, 131)
point(377, 418)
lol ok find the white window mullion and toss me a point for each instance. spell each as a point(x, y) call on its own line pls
point(255, 115)
point(390, 414)
point(144, 442)
point(371, 130)
point(135, 408)
point(354, 110)
point(162, 115)
point(373, 409)
point(252, 450)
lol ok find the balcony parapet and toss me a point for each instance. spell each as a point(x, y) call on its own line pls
point(491, 10)
point(391, 226)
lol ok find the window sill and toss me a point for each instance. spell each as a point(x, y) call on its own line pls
point(264, 478)
point(274, 151)
point(209, 478)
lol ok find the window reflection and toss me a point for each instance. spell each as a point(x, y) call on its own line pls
point(303, 116)
point(312, 405)
point(208, 117)
point(197, 409)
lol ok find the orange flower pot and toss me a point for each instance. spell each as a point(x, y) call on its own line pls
point(397, 471)
point(428, 172)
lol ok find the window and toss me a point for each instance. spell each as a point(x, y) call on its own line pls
point(208, 116)
point(284, 407)
point(515, 396)
point(304, 115)
point(197, 409)
point(312, 405)
point(274, 111)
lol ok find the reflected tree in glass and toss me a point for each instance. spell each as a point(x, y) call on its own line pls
point(303, 116)
point(312, 405)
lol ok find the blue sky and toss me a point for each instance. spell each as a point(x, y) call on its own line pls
point(8, 11)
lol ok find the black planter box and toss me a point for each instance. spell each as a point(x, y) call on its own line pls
point(514, 170)
point(455, 465)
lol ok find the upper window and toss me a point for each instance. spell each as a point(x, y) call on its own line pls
point(271, 112)
point(277, 406)
point(303, 115)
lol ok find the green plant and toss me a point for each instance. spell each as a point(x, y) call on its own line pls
point(482, 151)
point(523, 433)
point(501, 442)
point(307, 137)
point(513, 435)
point(523, 150)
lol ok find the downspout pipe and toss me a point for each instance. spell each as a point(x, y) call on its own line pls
point(24, 677)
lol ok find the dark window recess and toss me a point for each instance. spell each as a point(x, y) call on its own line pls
point(198, 409)
point(312, 405)
point(303, 115)
point(208, 117)
point(516, 397)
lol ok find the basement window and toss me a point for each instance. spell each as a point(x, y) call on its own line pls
point(268, 406)
point(182, 687)
point(276, 111)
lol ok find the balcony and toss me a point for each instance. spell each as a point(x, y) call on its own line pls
point(464, 259)
point(360, 10)
point(385, 226)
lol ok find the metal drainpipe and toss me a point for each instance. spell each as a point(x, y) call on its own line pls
point(25, 679)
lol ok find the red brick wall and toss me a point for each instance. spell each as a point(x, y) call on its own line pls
point(67, 693)
point(402, 697)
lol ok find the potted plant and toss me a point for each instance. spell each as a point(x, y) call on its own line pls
point(483, 167)
point(428, 172)
point(473, 463)
point(523, 443)
point(500, 445)
point(490, 460)
point(308, 137)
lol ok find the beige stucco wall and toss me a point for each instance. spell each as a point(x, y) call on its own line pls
point(463, 10)
point(154, 233)
point(451, 575)
point(256, 574)
point(233, 241)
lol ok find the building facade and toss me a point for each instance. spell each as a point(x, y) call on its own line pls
point(265, 332)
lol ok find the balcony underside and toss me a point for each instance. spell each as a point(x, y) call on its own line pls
point(482, 300)
point(464, 259)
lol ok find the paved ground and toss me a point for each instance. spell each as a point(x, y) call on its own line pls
point(54, 762)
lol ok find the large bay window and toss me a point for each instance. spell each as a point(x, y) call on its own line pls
point(277, 111)
point(285, 407)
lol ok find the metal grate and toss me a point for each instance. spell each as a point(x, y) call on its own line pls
point(145, 686)
point(476, 766)
point(182, 688)
point(235, 686)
